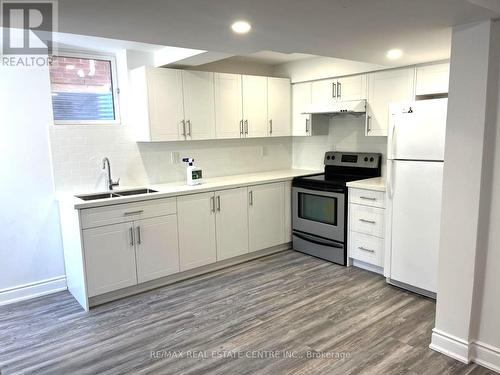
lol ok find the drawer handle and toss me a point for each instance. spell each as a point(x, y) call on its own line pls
point(133, 213)
point(365, 249)
point(367, 221)
point(369, 198)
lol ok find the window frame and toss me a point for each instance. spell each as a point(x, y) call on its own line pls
point(114, 82)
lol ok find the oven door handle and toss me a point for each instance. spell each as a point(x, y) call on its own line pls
point(315, 241)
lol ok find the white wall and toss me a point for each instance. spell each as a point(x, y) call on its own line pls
point(30, 250)
point(345, 134)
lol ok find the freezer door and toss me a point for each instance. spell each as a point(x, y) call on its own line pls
point(415, 214)
point(417, 130)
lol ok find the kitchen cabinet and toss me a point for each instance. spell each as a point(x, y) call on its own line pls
point(199, 104)
point(157, 249)
point(266, 215)
point(432, 79)
point(278, 106)
point(306, 124)
point(254, 89)
point(228, 106)
point(288, 211)
point(196, 225)
point(231, 222)
point(395, 85)
point(109, 258)
point(326, 91)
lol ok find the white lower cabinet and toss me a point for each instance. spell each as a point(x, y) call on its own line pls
point(266, 215)
point(109, 258)
point(157, 249)
point(288, 211)
point(231, 222)
point(196, 223)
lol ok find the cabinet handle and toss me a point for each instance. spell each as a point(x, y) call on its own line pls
point(369, 198)
point(218, 203)
point(188, 122)
point(250, 197)
point(368, 124)
point(241, 126)
point(131, 236)
point(367, 221)
point(183, 128)
point(307, 125)
point(139, 240)
point(246, 126)
point(365, 249)
point(133, 213)
point(339, 90)
point(271, 126)
point(212, 204)
point(334, 90)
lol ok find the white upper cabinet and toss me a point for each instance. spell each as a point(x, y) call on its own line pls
point(278, 106)
point(432, 79)
point(386, 87)
point(199, 104)
point(196, 222)
point(157, 249)
point(231, 222)
point(323, 92)
point(255, 106)
point(352, 88)
point(301, 98)
point(266, 215)
point(228, 106)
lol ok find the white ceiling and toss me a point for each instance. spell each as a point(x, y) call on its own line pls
point(360, 30)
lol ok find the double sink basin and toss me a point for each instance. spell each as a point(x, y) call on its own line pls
point(116, 194)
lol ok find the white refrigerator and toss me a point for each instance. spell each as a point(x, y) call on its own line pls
point(414, 186)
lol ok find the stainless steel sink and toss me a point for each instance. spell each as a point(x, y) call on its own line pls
point(116, 194)
point(135, 192)
point(92, 197)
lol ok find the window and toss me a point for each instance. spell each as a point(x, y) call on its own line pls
point(84, 89)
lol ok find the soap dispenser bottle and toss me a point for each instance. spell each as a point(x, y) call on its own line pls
point(194, 175)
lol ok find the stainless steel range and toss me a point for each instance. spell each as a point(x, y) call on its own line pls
point(319, 204)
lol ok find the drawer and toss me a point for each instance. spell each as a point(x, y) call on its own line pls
point(367, 197)
point(366, 248)
point(119, 213)
point(367, 220)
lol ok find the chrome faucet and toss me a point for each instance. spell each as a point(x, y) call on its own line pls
point(110, 181)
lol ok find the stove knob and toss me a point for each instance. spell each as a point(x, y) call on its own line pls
point(372, 159)
point(328, 157)
point(366, 158)
point(333, 157)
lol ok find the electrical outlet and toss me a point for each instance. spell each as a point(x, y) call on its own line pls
point(174, 157)
point(263, 151)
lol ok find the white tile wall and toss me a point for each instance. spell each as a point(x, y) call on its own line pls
point(77, 153)
point(346, 133)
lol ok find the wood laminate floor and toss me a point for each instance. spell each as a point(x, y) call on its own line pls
point(284, 314)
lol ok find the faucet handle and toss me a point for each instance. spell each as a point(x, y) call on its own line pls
point(115, 183)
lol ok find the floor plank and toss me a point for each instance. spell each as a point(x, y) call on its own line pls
point(286, 313)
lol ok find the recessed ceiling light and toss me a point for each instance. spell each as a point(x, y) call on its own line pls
point(394, 54)
point(241, 27)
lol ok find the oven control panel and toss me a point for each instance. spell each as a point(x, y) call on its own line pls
point(353, 159)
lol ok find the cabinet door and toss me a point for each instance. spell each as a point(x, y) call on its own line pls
point(196, 222)
point(352, 88)
point(228, 105)
point(301, 98)
point(432, 79)
point(199, 104)
point(166, 108)
point(384, 88)
point(323, 92)
point(279, 106)
point(266, 216)
point(156, 247)
point(109, 258)
point(255, 106)
point(288, 211)
point(231, 223)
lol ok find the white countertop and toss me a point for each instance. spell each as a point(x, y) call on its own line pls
point(377, 183)
point(172, 189)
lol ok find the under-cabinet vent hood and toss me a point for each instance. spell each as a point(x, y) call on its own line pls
point(344, 107)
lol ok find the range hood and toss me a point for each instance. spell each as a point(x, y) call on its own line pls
point(354, 107)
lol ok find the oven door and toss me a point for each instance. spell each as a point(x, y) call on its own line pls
point(320, 213)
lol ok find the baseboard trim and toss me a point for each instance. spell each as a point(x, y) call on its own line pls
point(367, 266)
point(32, 290)
point(485, 355)
point(450, 345)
